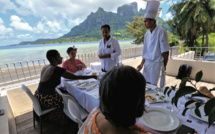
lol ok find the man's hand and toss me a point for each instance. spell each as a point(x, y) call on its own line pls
point(102, 56)
point(139, 67)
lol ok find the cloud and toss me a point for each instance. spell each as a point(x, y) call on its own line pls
point(47, 26)
point(161, 14)
point(24, 36)
point(51, 17)
point(4, 31)
point(6, 5)
point(168, 16)
point(17, 23)
point(73, 11)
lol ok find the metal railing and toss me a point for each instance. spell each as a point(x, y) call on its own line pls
point(192, 53)
point(22, 71)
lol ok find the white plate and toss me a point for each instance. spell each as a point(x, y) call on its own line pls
point(160, 119)
point(86, 84)
point(74, 82)
point(201, 109)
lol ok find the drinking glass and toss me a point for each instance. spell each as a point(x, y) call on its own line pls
point(170, 107)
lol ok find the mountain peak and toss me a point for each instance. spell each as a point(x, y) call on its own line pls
point(100, 9)
point(128, 9)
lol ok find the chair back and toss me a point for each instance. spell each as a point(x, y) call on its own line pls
point(71, 107)
point(36, 104)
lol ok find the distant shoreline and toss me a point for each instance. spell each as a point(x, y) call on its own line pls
point(63, 43)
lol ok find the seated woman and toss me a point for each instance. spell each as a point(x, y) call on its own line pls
point(73, 65)
point(122, 98)
point(50, 78)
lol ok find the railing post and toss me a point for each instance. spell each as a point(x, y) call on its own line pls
point(34, 68)
point(9, 72)
point(16, 71)
point(29, 69)
point(2, 76)
point(22, 70)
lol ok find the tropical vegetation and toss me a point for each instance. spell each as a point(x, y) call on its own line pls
point(192, 19)
point(138, 30)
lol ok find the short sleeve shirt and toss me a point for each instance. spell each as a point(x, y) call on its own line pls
point(71, 67)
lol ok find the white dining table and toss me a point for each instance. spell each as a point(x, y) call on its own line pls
point(89, 99)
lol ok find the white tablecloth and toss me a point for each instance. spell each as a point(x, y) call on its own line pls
point(89, 100)
point(97, 65)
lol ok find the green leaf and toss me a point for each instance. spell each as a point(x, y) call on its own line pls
point(211, 117)
point(183, 82)
point(213, 89)
point(199, 76)
point(197, 112)
point(189, 102)
point(199, 95)
point(169, 92)
point(173, 87)
point(184, 91)
point(185, 110)
point(209, 106)
point(174, 101)
point(165, 90)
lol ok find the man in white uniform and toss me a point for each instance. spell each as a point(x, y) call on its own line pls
point(156, 45)
point(109, 49)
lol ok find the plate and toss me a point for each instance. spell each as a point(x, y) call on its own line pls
point(201, 109)
point(86, 84)
point(159, 119)
point(74, 82)
point(154, 97)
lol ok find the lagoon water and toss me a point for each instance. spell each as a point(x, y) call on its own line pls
point(11, 54)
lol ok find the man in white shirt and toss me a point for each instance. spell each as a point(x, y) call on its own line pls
point(155, 48)
point(109, 49)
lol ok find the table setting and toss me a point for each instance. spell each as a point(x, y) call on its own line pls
point(160, 116)
point(172, 116)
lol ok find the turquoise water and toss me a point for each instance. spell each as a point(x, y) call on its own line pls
point(11, 54)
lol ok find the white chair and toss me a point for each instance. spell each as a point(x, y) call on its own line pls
point(72, 109)
point(36, 107)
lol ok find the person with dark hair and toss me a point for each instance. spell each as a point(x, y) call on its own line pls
point(50, 78)
point(72, 64)
point(122, 98)
point(156, 47)
point(109, 49)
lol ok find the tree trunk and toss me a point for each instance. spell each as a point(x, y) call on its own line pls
point(203, 42)
point(207, 43)
point(203, 39)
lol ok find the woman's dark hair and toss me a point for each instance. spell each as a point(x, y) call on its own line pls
point(106, 26)
point(70, 48)
point(51, 54)
point(122, 96)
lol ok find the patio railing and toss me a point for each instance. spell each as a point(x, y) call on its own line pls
point(193, 53)
point(22, 71)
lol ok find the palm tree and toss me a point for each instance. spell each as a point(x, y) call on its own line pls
point(192, 18)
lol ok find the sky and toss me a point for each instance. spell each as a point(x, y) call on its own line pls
point(29, 20)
